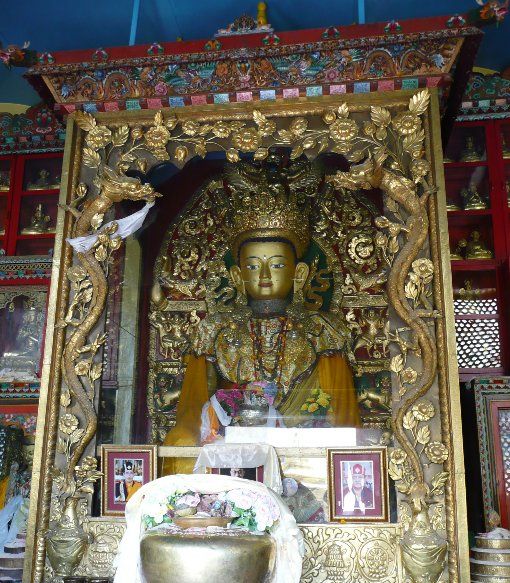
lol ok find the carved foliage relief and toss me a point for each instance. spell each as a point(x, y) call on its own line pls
point(385, 253)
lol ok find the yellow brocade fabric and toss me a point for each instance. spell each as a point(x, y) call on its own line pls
point(3, 490)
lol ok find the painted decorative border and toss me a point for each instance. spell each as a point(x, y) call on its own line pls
point(485, 391)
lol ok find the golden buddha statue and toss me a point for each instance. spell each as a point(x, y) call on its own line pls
point(506, 148)
point(476, 249)
point(460, 249)
point(4, 180)
point(282, 362)
point(507, 188)
point(39, 223)
point(42, 182)
point(452, 206)
point(472, 199)
point(469, 154)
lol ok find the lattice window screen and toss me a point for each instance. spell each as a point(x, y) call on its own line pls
point(478, 344)
point(487, 306)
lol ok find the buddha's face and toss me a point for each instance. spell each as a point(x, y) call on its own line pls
point(268, 269)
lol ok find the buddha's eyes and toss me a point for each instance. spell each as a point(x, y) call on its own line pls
point(277, 265)
point(252, 267)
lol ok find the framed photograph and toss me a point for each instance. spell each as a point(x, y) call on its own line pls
point(126, 469)
point(256, 474)
point(358, 484)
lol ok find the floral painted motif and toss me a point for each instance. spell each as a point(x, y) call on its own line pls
point(325, 62)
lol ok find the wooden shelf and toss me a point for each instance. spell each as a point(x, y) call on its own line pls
point(465, 164)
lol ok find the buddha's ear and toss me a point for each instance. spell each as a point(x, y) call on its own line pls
point(237, 278)
point(300, 276)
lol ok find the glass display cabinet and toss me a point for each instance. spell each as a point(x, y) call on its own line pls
point(29, 187)
point(477, 204)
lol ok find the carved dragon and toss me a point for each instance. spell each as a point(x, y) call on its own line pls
point(369, 175)
point(113, 189)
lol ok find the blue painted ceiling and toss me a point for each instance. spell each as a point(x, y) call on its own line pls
point(53, 25)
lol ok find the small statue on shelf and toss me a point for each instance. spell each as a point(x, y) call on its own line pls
point(39, 223)
point(469, 154)
point(472, 199)
point(506, 148)
point(42, 183)
point(451, 206)
point(4, 180)
point(56, 183)
point(477, 249)
point(458, 254)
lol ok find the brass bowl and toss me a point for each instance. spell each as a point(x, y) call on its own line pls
point(253, 415)
point(189, 558)
point(201, 521)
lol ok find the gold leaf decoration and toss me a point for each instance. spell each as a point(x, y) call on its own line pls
point(380, 116)
point(343, 110)
point(158, 119)
point(91, 158)
point(61, 446)
point(181, 153)
point(97, 221)
point(258, 117)
point(120, 136)
point(396, 473)
point(413, 141)
point(232, 155)
point(308, 143)
point(85, 120)
point(397, 363)
point(65, 399)
point(141, 164)
point(285, 136)
point(436, 452)
point(296, 152)
point(298, 126)
point(423, 435)
point(161, 154)
point(438, 482)
point(101, 253)
point(171, 122)
point(200, 150)
point(419, 102)
point(261, 154)
point(409, 422)
point(323, 144)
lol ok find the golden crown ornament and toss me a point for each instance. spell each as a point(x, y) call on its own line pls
point(269, 199)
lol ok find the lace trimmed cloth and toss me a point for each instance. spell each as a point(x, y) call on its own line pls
point(286, 534)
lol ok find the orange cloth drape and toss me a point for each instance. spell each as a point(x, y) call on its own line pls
point(335, 378)
point(194, 394)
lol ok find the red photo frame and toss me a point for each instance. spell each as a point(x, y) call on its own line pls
point(126, 468)
point(358, 484)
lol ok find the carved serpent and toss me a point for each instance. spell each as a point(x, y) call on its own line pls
point(369, 175)
point(114, 188)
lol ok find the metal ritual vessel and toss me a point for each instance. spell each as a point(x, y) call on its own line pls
point(189, 557)
point(490, 560)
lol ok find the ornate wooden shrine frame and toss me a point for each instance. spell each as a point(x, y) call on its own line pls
point(397, 135)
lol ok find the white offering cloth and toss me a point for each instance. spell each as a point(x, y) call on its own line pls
point(242, 455)
point(125, 227)
point(287, 536)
